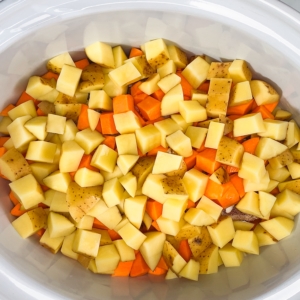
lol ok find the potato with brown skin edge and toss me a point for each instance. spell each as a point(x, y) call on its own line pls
point(142, 169)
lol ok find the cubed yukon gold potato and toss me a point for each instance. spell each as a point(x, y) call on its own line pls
point(110, 217)
point(38, 86)
point(71, 155)
point(178, 56)
point(127, 122)
point(100, 100)
point(222, 232)
point(252, 167)
point(152, 187)
point(170, 101)
point(19, 135)
point(37, 126)
point(125, 162)
point(283, 115)
point(134, 209)
point(27, 190)
point(249, 204)
point(85, 223)
point(166, 162)
point(24, 109)
point(88, 140)
point(52, 244)
point(180, 143)
point(57, 201)
point(86, 242)
point(196, 71)
point(58, 225)
point(263, 92)
point(58, 181)
point(126, 253)
point(126, 144)
point(104, 158)
point(292, 185)
point(168, 68)
point(112, 89)
point(92, 78)
point(264, 238)
point(278, 227)
point(283, 159)
point(68, 80)
point(4, 122)
point(279, 175)
point(132, 236)
point(112, 192)
point(240, 94)
point(197, 135)
point(86, 177)
point(30, 222)
point(173, 209)
point(125, 74)
point(13, 165)
point(209, 259)
point(41, 151)
point(173, 188)
point(119, 55)
point(142, 169)
point(266, 202)
point(287, 203)
point(200, 97)
point(239, 71)
point(67, 247)
point(69, 111)
point(246, 241)
point(101, 53)
point(262, 185)
point(214, 135)
point(195, 184)
point(268, 148)
point(156, 52)
point(218, 70)
point(242, 225)
point(248, 124)
point(190, 270)
point(148, 137)
point(231, 256)
point(70, 131)
point(210, 207)
point(172, 258)
point(168, 82)
point(56, 63)
point(275, 129)
point(56, 124)
point(219, 176)
point(141, 63)
point(150, 85)
point(294, 169)
point(192, 111)
point(198, 217)
point(178, 118)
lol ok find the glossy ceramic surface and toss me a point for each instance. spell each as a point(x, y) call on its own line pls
point(266, 33)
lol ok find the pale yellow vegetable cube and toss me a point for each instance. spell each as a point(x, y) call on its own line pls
point(278, 227)
point(58, 225)
point(170, 275)
point(156, 53)
point(52, 244)
point(249, 204)
point(37, 126)
point(56, 124)
point(101, 53)
point(283, 115)
point(195, 183)
point(68, 80)
point(58, 181)
point(86, 242)
point(150, 85)
point(112, 89)
point(197, 135)
point(67, 247)
point(41, 151)
point(177, 118)
point(112, 192)
point(71, 155)
point(85, 223)
point(222, 232)
point(280, 175)
point(141, 63)
point(56, 63)
point(170, 101)
point(266, 202)
point(147, 220)
point(104, 158)
point(275, 129)
point(152, 187)
point(268, 148)
point(86, 177)
point(210, 207)
point(93, 118)
point(38, 86)
point(239, 71)
point(190, 270)
point(129, 183)
point(30, 222)
point(107, 259)
point(200, 97)
point(110, 175)
point(246, 241)
point(252, 167)
point(218, 70)
point(168, 82)
point(196, 71)
point(243, 225)
point(209, 260)
point(214, 134)
point(231, 256)
point(166, 162)
point(294, 169)
point(168, 226)
point(88, 140)
point(173, 209)
point(125, 74)
point(19, 135)
point(100, 100)
point(28, 191)
point(180, 143)
point(132, 236)
point(148, 138)
point(192, 111)
point(263, 92)
point(292, 135)
point(119, 55)
point(97, 210)
point(264, 238)
point(126, 144)
point(127, 122)
point(126, 253)
point(198, 217)
point(172, 258)
point(248, 124)
point(240, 94)
point(178, 56)
point(287, 202)
point(134, 209)
point(70, 131)
point(42, 170)
point(166, 69)
point(262, 185)
point(126, 162)
point(25, 109)
point(4, 122)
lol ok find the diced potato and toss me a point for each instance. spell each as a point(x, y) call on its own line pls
point(249, 204)
point(86, 177)
point(198, 217)
point(173, 188)
point(125, 74)
point(141, 63)
point(67, 247)
point(150, 85)
point(190, 270)
point(126, 253)
point(4, 122)
point(170, 101)
point(134, 209)
point(37, 126)
point(119, 55)
point(71, 155)
point(197, 135)
point(30, 222)
point(172, 258)
point(100, 100)
point(166, 162)
point(248, 124)
point(112, 89)
point(42, 170)
point(283, 159)
point(283, 115)
point(287, 204)
point(101, 53)
point(24, 109)
point(58, 202)
point(246, 241)
point(86, 242)
point(266, 202)
point(231, 256)
point(263, 92)
point(58, 181)
point(92, 78)
point(168, 82)
point(41, 151)
point(52, 244)
point(292, 185)
point(156, 53)
point(111, 217)
point(220, 176)
point(85, 223)
point(243, 225)
point(275, 129)
point(278, 227)
point(88, 140)
point(239, 71)
point(148, 138)
point(294, 169)
point(56, 63)
point(56, 124)
point(209, 260)
point(125, 162)
point(280, 175)
point(180, 143)
point(178, 56)
point(152, 187)
point(210, 207)
point(126, 144)
point(240, 94)
point(173, 209)
point(262, 185)
point(104, 158)
point(192, 111)
point(38, 86)
point(218, 70)
point(127, 122)
point(168, 68)
point(168, 226)
point(214, 135)
point(105, 237)
point(177, 118)
point(268, 148)
point(58, 225)
point(263, 237)
point(69, 111)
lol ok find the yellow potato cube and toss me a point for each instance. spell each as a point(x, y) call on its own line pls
point(240, 94)
point(126, 144)
point(168, 68)
point(171, 100)
point(190, 270)
point(119, 55)
point(58, 181)
point(168, 226)
point(210, 207)
point(248, 124)
point(67, 247)
point(266, 202)
point(56, 63)
point(107, 259)
point(126, 162)
point(148, 138)
point(93, 118)
point(126, 253)
point(28, 191)
point(294, 169)
point(70, 131)
point(278, 227)
point(58, 225)
point(56, 124)
point(214, 134)
point(104, 158)
point(200, 97)
point(168, 82)
point(192, 111)
point(71, 155)
point(209, 260)
point(125, 74)
point(127, 122)
point(101, 53)
point(42, 170)
point(100, 100)
point(231, 256)
point(134, 209)
point(242, 225)
point(197, 135)
point(198, 217)
point(177, 118)
point(246, 241)
point(239, 71)
point(38, 86)
point(152, 187)
point(86, 242)
point(262, 185)
point(218, 70)
point(264, 238)
point(178, 56)
point(58, 201)
point(287, 203)
point(4, 122)
point(156, 53)
point(25, 109)
point(249, 204)
point(86, 177)
point(150, 85)
point(173, 209)
point(68, 80)
point(112, 192)
point(88, 140)
point(141, 63)
point(37, 126)
point(166, 162)
point(222, 232)
point(180, 143)
point(112, 89)
point(275, 129)
point(263, 92)
point(129, 183)
point(268, 148)
point(52, 244)
point(41, 151)
point(132, 236)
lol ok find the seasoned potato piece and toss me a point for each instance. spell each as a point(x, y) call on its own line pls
point(209, 260)
point(13, 165)
point(218, 70)
point(229, 152)
point(180, 172)
point(172, 258)
point(82, 199)
point(70, 111)
point(56, 63)
point(92, 78)
point(228, 123)
point(220, 176)
point(283, 159)
point(200, 242)
point(173, 185)
point(186, 232)
point(142, 169)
